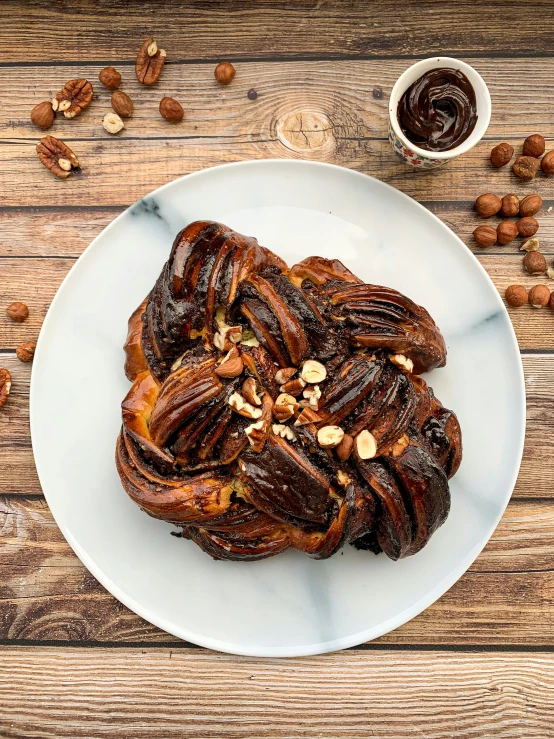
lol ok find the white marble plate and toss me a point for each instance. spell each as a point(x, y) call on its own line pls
point(287, 605)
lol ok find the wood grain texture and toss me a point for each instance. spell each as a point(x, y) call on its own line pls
point(119, 171)
point(267, 29)
point(50, 693)
point(337, 93)
point(47, 594)
point(66, 232)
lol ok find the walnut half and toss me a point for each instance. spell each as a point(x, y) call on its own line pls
point(57, 156)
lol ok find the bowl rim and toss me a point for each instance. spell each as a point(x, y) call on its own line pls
point(484, 108)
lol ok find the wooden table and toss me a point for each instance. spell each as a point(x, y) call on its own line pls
point(74, 662)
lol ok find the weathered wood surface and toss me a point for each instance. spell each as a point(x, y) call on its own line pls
point(47, 594)
point(52, 693)
point(120, 171)
point(290, 95)
point(314, 66)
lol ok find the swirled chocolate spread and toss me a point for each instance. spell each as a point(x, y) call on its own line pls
point(438, 111)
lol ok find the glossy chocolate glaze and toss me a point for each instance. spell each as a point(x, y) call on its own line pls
point(438, 111)
point(184, 454)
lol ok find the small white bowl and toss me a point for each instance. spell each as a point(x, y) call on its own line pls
point(421, 158)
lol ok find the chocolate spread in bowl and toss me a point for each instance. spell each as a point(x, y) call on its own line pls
point(438, 111)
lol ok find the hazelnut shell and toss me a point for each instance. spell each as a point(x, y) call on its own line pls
point(516, 296)
point(539, 296)
point(534, 263)
point(485, 236)
point(525, 167)
point(530, 205)
point(510, 205)
point(547, 163)
point(527, 226)
point(534, 146)
point(506, 232)
point(501, 155)
point(488, 205)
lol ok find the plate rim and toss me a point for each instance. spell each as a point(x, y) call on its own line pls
point(430, 597)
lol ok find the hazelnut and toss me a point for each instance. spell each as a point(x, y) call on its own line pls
point(313, 371)
point(488, 205)
point(485, 236)
point(171, 110)
point(344, 449)
point(534, 263)
point(231, 365)
point(525, 167)
point(551, 301)
point(25, 352)
point(539, 296)
point(501, 155)
point(5, 385)
point(224, 73)
point(18, 312)
point(547, 163)
point(110, 78)
point(250, 390)
point(534, 146)
point(527, 227)
point(284, 375)
point(112, 123)
point(506, 232)
point(365, 445)
point(329, 436)
point(530, 245)
point(122, 104)
point(530, 205)
point(42, 115)
point(516, 296)
point(510, 205)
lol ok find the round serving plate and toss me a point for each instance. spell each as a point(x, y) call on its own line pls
point(290, 604)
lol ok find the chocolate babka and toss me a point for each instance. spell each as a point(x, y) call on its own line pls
point(275, 407)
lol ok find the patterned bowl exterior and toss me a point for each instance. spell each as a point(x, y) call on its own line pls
point(409, 157)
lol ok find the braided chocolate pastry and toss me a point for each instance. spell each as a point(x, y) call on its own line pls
point(275, 407)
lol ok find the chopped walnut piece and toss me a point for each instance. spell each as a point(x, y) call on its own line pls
point(239, 404)
point(285, 432)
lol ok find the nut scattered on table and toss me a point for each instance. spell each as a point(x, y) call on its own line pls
point(506, 232)
point(527, 227)
point(534, 263)
point(530, 205)
point(534, 146)
point(57, 156)
point(73, 98)
point(42, 115)
point(171, 110)
point(150, 62)
point(110, 78)
point(516, 296)
point(485, 236)
point(530, 245)
point(547, 163)
point(488, 205)
point(224, 73)
point(112, 123)
point(25, 352)
point(18, 312)
point(5, 385)
point(525, 167)
point(501, 155)
point(539, 296)
point(122, 104)
point(510, 205)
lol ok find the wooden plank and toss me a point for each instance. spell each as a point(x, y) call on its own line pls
point(61, 232)
point(47, 594)
point(35, 282)
point(268, 28)
point(340, 91)
point(117, 170)
point(52, 693)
